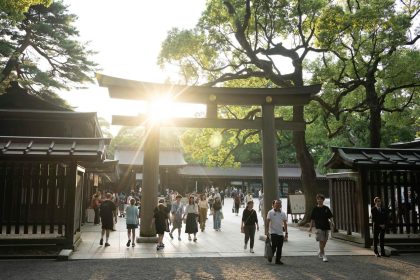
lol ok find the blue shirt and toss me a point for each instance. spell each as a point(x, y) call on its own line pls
point(132, 214)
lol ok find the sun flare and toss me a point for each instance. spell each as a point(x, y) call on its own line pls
point(162, 109)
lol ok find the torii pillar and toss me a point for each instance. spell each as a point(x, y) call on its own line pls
point(150, 183)
point(269, 158)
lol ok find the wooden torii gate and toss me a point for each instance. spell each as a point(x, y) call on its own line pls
point(267, 98)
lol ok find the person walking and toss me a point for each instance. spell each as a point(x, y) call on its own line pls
point(202, 209)
point(160, 220)
point(379, 220)
point(217, 214)
point(321, 216)
point(108, 212)
point(132, 221)
point(177, 211)
point(248, 225)
point(95, 205)
point(276, 221)
point(237, 203)
point(191, 224)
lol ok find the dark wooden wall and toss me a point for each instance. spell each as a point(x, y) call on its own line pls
point(40, 202)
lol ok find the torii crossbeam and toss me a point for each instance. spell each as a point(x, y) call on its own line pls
point(267, 98)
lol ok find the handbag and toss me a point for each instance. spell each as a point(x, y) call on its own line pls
point(268, 252)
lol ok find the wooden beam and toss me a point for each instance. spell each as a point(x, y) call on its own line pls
point(280, 124)
point(130, 89)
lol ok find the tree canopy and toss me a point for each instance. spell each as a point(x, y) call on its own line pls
point(17, 8)
point(43, 52)
point(371, 68)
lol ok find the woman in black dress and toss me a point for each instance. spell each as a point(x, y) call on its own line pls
point(192, 214)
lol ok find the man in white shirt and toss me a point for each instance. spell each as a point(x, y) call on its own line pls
point(276, 221)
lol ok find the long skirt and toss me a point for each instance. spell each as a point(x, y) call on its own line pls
point(191, 224)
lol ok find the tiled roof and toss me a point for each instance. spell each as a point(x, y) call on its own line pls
point(352, 158)
point(245, 172)
point(131, 156)
point(52, 148)
point(415, 144)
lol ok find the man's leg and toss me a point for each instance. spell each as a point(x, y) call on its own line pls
point(381, 241)
point(274, 243)
point(375, 240)
point(279, 248)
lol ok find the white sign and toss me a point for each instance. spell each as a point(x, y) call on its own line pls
point(297, 203)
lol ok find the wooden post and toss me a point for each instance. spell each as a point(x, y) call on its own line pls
point(269, 156)
point(150, 183)
point(70, 189)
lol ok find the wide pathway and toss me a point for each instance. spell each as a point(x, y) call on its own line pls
point(229, 242)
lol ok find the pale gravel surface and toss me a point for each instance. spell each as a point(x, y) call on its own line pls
point(338, 267)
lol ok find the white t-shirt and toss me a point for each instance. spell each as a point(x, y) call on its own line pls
point(276, 221)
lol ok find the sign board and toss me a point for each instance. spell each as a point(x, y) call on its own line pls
point(297, 203)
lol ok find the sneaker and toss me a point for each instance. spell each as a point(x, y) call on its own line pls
point(245, 246)
point(270, 260)
point(195, 239)
point(107, 244)
point(101, 242)
point(324, 258)
point(251, 250)
point(319, 254)
point(279, 262)
point(158, 248)
point(179, 238)
point(170, 234)
point(128, 243)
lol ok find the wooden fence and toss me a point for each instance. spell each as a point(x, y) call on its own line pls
point(40, 203)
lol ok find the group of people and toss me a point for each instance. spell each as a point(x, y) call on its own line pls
point(195, 212)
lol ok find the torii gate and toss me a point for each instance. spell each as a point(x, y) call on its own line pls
point(267, 98)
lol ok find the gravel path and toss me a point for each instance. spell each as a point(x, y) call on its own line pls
point(338, 267)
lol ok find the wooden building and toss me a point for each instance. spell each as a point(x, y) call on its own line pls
point(51, 158)
point(393, 174)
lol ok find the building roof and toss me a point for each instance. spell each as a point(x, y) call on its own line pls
point(243, 172)
point(415, 144)
point(52, 148)
point(133, 157)
point(18, 98)
point(49, 124)
point(353, 158)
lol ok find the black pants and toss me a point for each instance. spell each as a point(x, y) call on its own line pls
point(277, 245)
point(378, 236)
point(96, 219)
point(249, 235)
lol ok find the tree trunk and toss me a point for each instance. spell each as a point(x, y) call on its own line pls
point(306, 162)
point(375, 121)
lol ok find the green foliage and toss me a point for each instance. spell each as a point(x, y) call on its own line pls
point(16, 9)
point(42, 51)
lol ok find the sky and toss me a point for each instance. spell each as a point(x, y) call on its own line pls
point(127, 34)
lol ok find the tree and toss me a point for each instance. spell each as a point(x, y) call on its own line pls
point(16, 8)
point(43, 53)
point(371, 72)
point(251, 40)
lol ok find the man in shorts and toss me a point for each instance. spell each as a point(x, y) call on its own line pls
point(321, 215)
point(108, 217)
